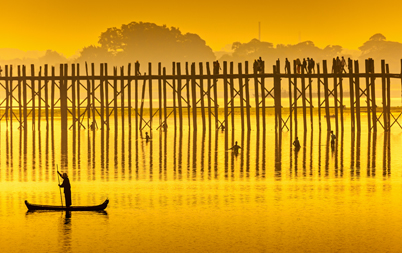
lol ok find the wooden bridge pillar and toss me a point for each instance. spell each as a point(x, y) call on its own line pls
point(319, 96)
point(63, 110)
point(295, 95)
point(59, 85)
point(351, 94)
point(202, 96)
point(247, 89)
point(225, 94)
point(324, 66)
point(366, 65)
point(357, 91)
point(373, 95)
point(193, 97)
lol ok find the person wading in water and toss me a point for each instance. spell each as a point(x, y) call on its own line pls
point(235, 148)
point(296, 143)
point(333, 139)
point(67, 188)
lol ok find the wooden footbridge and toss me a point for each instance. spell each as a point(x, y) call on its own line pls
point(127, 98)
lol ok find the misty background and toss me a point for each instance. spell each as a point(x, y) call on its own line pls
point(148, 42)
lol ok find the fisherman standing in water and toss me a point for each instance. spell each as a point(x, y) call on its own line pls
point(67, 188)
point(296, 143)
point(235, 148)
point(333, 138)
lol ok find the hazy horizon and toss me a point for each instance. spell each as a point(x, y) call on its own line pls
point(10, 54)
point(45, 25)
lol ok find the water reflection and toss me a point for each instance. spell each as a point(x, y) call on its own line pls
point(304, 146)
point(242, 154)
point(387, 154)
point(248, 154)
point(278, 155)
point(130, 160)
point(180, 156)
point(62, 222)
point(374, 153)
point(191, 155)
point(202, 156)
point(358, 144)
point(65, 235)
point(342, 153)
point(319, 152)
point(266, 178)
point(264, 150)
point(257, 151)
point(194, 154)
point(116, 155)
point(122, 153)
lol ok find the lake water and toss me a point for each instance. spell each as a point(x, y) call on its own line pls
point(184, 192)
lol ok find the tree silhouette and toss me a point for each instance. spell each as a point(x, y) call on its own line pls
point(148, 42)
point(52, 58)
point(96, 55)
point(254, 49)
point(378, 48)
point(378, 37)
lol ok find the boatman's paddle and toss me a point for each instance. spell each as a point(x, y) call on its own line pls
point(58, 179)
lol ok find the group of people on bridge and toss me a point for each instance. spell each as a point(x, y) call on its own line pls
point(308, 66)
point(339, 66)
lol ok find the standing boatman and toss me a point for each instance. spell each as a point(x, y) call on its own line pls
point(67, 188)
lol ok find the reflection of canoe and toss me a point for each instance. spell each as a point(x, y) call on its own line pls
point(32, 207)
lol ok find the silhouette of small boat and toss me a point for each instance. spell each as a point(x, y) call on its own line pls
point(32, 207)
point(331, 116)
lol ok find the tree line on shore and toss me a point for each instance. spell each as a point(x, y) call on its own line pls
point(148, 42)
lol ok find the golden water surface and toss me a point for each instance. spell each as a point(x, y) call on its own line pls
point(185, 192)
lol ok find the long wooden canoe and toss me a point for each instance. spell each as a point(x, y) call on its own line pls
point(100, 207)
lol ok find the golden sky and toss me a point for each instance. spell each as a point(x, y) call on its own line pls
point(68, 26)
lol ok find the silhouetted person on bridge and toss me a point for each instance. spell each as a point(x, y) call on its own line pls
point(217, 67)
point(311, 65)
point(259, 65)
point(298, 65)
point(235, 148)
point(305, 65)
point(336, 66)
point(255, 66)
point(371, 66)
point(137, 68)
point(67, 188)
point(343, 65)
point(296, 143)
point(287, 66)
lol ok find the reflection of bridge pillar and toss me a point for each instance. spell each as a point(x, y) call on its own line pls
point(63, 113)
